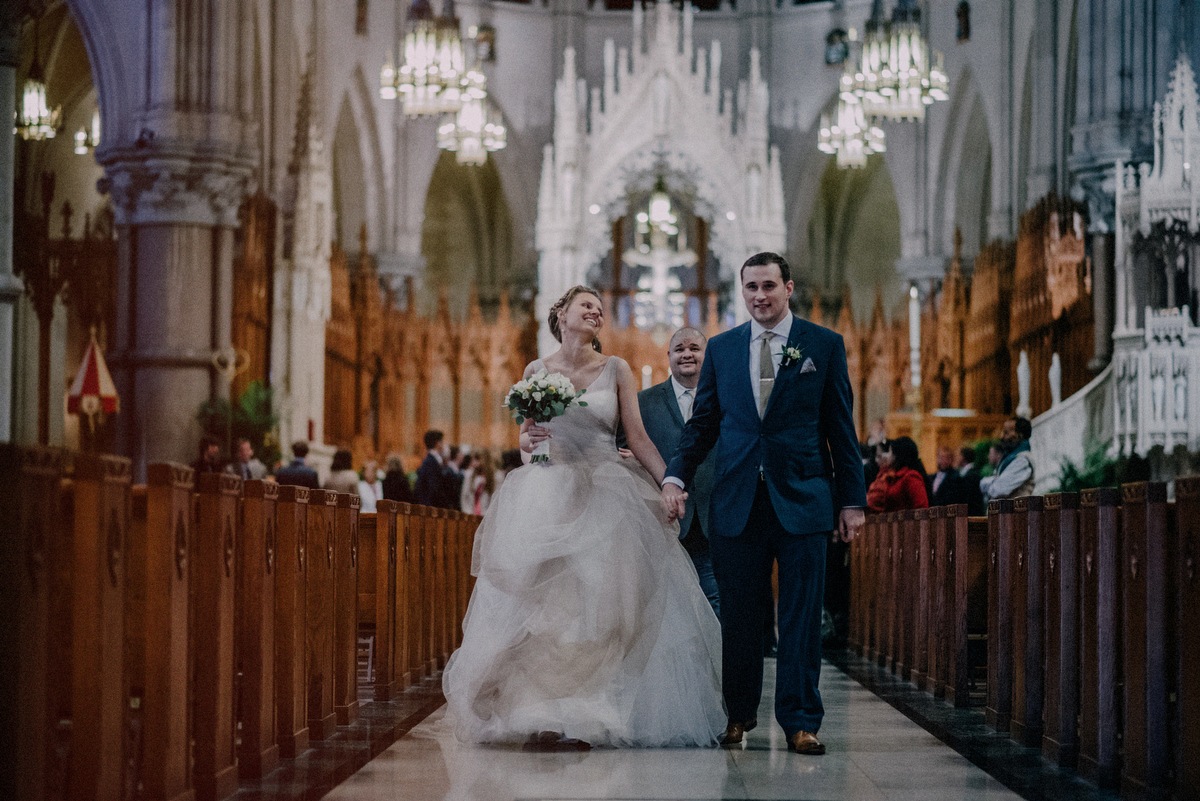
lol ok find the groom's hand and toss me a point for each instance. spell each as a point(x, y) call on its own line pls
point(674, 501)
point(850, 522)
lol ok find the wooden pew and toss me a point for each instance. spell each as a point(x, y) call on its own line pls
point(440, 595)
point(322, 508)
point(291, 620)
point(1060, 528)
point(345, 604)
point(407, 578)
point(966, 598)
point(920, 605)
point(1187, 671)
point(905, 592)
point(33, 540)
point(258, 752)
point(937, 628)
point(98, 700)
point(883, 597)
point(430, 588)
point(157, 649)
point(1026, 597)
point(1144, 567)
point(1099, 544)
point(999, 630)
point(214, 559)
point(891, 584)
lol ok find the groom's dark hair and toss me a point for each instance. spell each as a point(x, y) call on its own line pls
point(765, 258)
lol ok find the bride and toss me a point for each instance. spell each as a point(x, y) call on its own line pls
point(587, 625)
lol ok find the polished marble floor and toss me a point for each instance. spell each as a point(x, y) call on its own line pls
point(874, 752)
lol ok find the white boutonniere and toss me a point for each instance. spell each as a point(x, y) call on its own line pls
point(791, 356)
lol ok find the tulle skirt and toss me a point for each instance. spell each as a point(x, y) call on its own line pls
point(586, 618)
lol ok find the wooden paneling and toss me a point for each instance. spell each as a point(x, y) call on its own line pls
point(345, 628)
point(1099, 621)
point(214, 563)
point(258, 753)
point(291, 620)
point(98, 701)
point(1060, 571)
point(157, 645)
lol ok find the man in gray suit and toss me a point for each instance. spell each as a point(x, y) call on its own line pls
point(665, 408)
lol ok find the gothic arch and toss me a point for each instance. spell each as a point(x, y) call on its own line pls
point(967, 129)
point(805, 193)
point(350, 201)
point(972, 195)
point(466, 239)
point(854, 236)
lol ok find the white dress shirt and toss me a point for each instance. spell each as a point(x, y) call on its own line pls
point(685, 404)
point(778, 342)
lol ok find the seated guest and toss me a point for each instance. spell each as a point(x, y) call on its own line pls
point(395, 482)
point(1014, 475)
point(247, 466)
point(969, 475)
point(900, 484)
point(370, 487)
point(946, 486)
point(209, 458)
point(342, 475)
point(298, 472)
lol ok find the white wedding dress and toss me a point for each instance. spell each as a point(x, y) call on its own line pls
point(587, 618)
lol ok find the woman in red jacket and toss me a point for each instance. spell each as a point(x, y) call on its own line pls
point(901, 481)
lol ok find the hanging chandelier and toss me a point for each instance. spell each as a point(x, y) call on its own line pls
point(851, 137)
point(894, 77)
point(432, 77)
point(35, 119)
point(473, 132)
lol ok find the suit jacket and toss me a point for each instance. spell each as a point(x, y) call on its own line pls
point(954, 489)
point(436, 485)
point(298, 473)
point(664, 425)
point(805, 444)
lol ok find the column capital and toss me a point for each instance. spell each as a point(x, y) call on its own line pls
point(175, 189)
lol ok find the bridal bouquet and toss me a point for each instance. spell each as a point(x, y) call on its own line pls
point(540, 398)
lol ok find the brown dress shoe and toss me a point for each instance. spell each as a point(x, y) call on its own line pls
point(805, 742)
point(736, 729)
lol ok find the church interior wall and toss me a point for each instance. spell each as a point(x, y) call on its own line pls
point(1034, 81)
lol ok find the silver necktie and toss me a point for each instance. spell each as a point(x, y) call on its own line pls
point(766, 373)
point(685, 404)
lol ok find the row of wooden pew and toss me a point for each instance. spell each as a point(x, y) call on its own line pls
point(173, 639)
point(1067, 616)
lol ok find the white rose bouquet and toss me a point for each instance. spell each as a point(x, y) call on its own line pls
point(541, 397)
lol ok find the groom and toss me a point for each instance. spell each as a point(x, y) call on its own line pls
point(774, 398)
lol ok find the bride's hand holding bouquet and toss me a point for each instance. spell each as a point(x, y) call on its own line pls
point(540, 398)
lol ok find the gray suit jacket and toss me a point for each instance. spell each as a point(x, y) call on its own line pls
point(664, 424)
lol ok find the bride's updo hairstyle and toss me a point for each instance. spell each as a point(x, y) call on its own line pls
point(561, 305)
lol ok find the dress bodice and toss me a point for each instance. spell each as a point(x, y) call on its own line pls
point(587, 434)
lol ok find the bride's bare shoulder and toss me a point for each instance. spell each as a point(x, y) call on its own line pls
point(622, 367)
point(532, 368)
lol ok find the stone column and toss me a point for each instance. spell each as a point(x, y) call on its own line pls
point(10, 285)
point(175, 270)
point(1102, 298)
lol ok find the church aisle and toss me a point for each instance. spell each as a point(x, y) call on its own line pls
point(875, 752)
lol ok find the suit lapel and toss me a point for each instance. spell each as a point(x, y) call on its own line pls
point(742, 367)
point(667, 396)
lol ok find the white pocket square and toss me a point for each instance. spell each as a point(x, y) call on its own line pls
point(808, 366)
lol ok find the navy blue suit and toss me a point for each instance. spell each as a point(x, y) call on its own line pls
point(664, 426)
point(780, 484)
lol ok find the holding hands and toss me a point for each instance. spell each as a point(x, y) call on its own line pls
point(674, 501)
